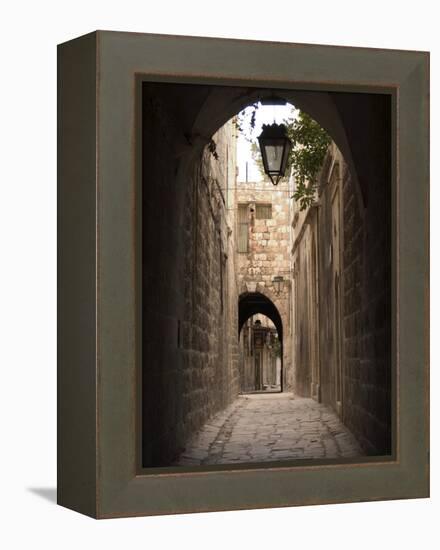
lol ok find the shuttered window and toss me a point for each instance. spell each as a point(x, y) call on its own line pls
point(263, 211)
point(243, 228)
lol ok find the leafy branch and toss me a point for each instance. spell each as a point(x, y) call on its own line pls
point(309, 146)
point(245, 121)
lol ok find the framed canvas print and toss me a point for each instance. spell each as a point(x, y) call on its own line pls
point(243, 274)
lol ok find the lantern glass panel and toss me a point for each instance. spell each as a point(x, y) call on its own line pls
point(274, 154)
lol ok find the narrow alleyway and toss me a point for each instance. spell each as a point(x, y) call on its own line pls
point(248, 285)
point(258, 428)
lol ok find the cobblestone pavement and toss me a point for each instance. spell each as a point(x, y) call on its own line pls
point(272, 427)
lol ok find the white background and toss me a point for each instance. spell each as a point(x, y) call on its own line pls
point(29, 34)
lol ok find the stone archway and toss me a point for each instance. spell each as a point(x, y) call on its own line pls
point(354, 121)
point(252, 303)
point(222, 104)
point(177, 124)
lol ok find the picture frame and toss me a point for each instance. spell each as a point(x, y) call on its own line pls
point(99, 349)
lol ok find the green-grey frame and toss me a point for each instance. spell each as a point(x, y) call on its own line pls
point(98, 272)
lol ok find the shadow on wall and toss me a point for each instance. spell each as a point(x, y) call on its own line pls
point(252, 303)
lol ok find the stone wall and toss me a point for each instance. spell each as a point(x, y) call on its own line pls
point(189, 295)
point(367, 320)
point(268, 251)
point(210, 343)
point(304, 314)
point(342, 297)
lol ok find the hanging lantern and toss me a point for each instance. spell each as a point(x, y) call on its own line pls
point(275, 147)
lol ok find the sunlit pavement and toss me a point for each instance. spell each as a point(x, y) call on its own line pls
point(271, 427)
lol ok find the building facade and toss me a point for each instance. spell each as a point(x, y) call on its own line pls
point(340, 309)
point(263, 254)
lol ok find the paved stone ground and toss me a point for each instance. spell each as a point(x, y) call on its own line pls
point(271, 427)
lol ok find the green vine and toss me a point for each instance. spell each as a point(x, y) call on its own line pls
point(309, 147)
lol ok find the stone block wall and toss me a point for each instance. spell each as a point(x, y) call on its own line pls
point(331, 269)
point(367, 322)
point(304, 329)
point(368, 282)
point(210, 349)
point(268, 253)
point(189, 292)
point(342, 303)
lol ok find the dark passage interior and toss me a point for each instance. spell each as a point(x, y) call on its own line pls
point(261, 344)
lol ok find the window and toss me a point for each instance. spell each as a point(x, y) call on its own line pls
point(243, 228)
point(263, 211)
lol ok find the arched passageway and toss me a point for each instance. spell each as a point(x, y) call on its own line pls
point(251, 304)
point(189, 315)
